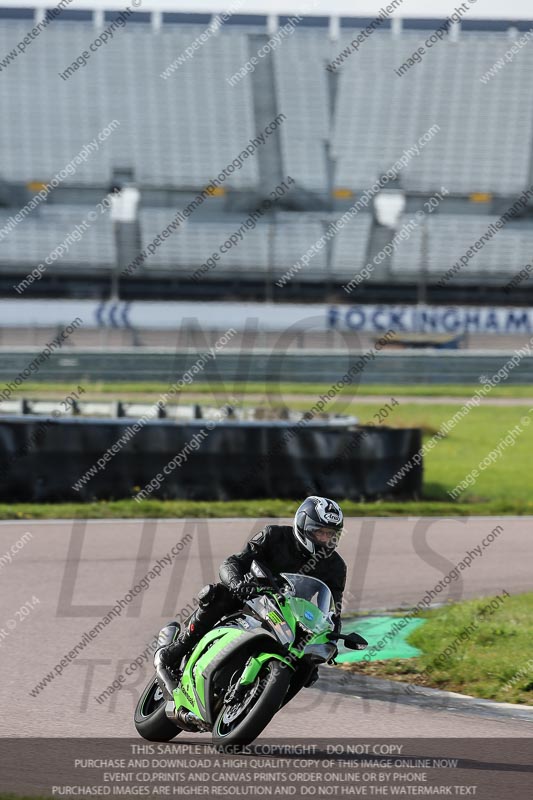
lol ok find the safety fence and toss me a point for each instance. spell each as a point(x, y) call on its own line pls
point(317, 366)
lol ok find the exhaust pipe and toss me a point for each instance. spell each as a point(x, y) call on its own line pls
point(185, 719)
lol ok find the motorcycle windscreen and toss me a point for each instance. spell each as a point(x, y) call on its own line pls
point(308, 615)
point(313, 590)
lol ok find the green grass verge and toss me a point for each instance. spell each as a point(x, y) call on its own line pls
point(139, 388)
point(251, 509)
point(505, 483)
point(494, 662)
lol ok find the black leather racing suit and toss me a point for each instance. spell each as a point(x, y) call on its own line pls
point(275, 547)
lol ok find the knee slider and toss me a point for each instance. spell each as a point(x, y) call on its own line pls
point(168, 634)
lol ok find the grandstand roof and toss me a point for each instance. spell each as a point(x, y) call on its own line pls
point(485, 9)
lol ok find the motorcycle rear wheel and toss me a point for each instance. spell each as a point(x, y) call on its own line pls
point(150, 719)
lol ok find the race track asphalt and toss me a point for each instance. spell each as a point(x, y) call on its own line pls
point(78, 570)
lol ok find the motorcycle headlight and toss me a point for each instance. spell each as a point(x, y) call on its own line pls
point(307, 629)
point(320, 652)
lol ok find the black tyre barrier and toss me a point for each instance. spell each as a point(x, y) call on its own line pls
point(50, 460)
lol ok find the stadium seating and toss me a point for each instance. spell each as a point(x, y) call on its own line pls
point(37, 237)
point(269, 248)
point(181, 131)
point(485, 138)
point(450, 236)
point(350, 247)
point(342, 129)
point(186, 251)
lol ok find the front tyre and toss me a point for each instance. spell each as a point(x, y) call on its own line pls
point(150, 719)
point(242, 721)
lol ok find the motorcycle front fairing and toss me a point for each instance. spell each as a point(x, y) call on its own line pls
point(267, 610)
point(302, 625)
point(196, 690)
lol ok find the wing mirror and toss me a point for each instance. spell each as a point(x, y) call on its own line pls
point(354, 642)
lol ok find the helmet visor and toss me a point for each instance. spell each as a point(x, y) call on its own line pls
point(322, 535)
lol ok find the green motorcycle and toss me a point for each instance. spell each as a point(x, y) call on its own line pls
point(250, 665)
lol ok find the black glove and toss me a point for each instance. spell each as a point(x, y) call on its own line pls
point(244, 590)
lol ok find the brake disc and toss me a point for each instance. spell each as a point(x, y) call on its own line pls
point(233, 711)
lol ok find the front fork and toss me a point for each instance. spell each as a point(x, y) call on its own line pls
point(250, 672)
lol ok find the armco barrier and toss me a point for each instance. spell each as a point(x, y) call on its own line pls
point(316, 366)
point(41, 460)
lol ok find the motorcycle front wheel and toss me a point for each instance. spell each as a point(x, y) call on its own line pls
point(150, 719)
point(241, 721)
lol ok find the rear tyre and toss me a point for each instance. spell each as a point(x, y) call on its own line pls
point(240, 723)
point(150, 719)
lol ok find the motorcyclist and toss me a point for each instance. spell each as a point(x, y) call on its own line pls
point(307, 547)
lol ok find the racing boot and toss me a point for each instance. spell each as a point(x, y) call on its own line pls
point(165, 677)
point(170, 657)
point(174, 646)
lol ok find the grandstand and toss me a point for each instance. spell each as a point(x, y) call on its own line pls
point(485, 138)
point(451, 235)
point(342, 129)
